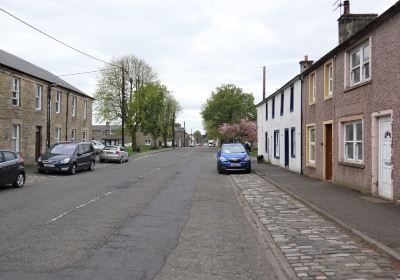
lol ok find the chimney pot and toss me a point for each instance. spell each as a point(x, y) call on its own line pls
point(346, 7)
point(306, 58)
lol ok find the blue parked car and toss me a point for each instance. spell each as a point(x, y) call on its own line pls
point(233, 157)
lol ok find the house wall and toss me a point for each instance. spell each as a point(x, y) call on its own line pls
point(287, 121)
point(29, 118)
point(377, 97)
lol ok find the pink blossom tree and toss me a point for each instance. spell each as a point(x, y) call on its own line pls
point(243, 131)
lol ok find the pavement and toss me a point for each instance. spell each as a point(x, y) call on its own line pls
point(374, 220)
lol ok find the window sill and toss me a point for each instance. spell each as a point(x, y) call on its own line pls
point(311, 103)
point(350, 88)
point(352, 164)
point(310, 164)
point(328, 97)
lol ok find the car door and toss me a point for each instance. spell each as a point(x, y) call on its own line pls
point(124, 153)
point(3, 173)
point(10, 166)
point(80, 157)
point(88, 154)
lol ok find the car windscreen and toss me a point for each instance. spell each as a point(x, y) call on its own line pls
point(111, 148)
point(63, 149)
point(233, 149)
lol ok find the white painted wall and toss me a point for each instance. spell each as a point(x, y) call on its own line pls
point(287, 121)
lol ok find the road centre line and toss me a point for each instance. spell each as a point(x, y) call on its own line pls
point(154, 170)
point(80, 206)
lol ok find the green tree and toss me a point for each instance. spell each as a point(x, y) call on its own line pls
point(227, 104)
point(170, 109)
point(109, 96)
point(153, 109)
point(197, 136)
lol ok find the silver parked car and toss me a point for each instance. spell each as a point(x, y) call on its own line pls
point(114, 153)
point(98, 146)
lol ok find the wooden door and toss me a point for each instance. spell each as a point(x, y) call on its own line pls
point(328, 152)
point(38, 142)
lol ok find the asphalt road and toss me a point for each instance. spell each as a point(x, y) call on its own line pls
point(167, 215)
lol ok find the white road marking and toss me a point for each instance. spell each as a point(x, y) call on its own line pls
point(80, 206)
point(154, 170)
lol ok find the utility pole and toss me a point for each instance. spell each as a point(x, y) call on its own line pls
point(184, 134)
point(123, 106)
point(173, 130)
point(264, 74)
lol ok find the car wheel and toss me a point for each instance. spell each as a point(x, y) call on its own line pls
point(127, 158)
point(248, 170)
point(219, 170)
point(92, 164)
point(39, 170)
point(101, 160)
point(19, 182)
point(72, 171)
point(120, 160)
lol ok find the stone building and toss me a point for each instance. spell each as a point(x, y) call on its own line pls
point(351, 106)
point(38, 109)
point(109, 134)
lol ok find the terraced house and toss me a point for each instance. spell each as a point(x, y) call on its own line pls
point(38, 109)
point(351, 106)
point(279, 126)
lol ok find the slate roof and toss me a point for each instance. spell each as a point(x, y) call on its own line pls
point(16, 63)
point(105, 127)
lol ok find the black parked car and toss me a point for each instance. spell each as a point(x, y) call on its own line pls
point(12, 170)
point(68, 157)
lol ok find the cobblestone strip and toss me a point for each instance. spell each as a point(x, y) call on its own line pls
point(315, 247)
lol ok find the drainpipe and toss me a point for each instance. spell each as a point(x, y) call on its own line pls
point(66, 118)
point(49, 113)
point(301, 125)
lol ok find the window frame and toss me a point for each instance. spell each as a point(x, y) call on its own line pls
point(85, 109)
point(291, 105)
point(312, 88)
point(293, 142)
point(74, 105)
point(58, 102)
point(266, 111)
point(361, 66)
point(84, 135)
point(16, 88)
point(273, 107)
point(276, 144)
point(266, 142)
point(73, 135)
point(328, 79)
point(311, 162)
point(282, 103)
point(354, 142)
point(38, 97)
point(16, 138)
point(57, 134)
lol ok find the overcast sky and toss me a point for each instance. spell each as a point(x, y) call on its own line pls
point(193, 45)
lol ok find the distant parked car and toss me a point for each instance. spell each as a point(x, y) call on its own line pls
point(12, 170)
point(68, 157)
point(114, 153)
point(98, 146)
point(233, 157)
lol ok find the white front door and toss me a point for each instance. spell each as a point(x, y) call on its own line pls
point(385, 186)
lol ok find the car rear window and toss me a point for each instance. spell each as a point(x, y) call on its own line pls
point(111, 148)
point(63, 149)
point(9, 156)
point(231, 149)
